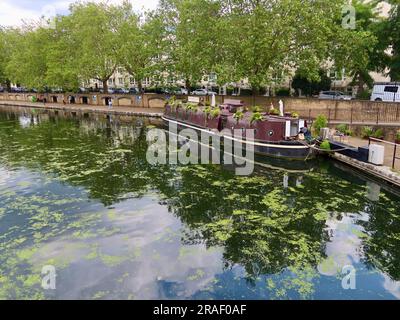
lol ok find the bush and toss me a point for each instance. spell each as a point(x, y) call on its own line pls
point(215, 113)
point(366, 95)
point(246, 92)
point(366, 132)
point(238, 115)
point(256, 116)
point(283, 92)
point(256, 109)
point(274, 112)
point(378, 134)
point(342, 128)
point(325, 145)
point(398, 135)
point(319, 123)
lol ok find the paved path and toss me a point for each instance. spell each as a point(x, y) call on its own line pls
point(389, 150)
point(121, 110)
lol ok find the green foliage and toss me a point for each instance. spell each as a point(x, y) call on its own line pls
point(378, 134)
point(325, 145)
point(215, 113)
point(308, 87)
point(366, 132)
point(397, 136)
point(364, 95)
point(319, 123)
point(238, 115)
point(295, 115)
point(256, 109)
point(207, 110)
point(283, 92)
point(274, 111)
point(256, 116)
point(141, 44)
point(191, 107)
point(342, 128)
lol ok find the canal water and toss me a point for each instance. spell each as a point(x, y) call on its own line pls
point(77, 194)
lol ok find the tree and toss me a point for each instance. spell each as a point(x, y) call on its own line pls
point(3, 57)
point(271, 38)
point(27, 63)
point(391, 32)
point(142, 46)
point(94, 32)
point(62, 56)
point(191, 27)
point(301, 83)
point(361, 50)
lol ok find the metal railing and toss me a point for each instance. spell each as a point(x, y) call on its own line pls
point(395, 147)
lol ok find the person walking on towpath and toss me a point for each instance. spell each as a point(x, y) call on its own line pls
point(110, 104)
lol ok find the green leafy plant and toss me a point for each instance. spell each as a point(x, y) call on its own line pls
point(325, 145)
point(366, 132)
point(256, 116)
point(398, 136)
point(238, 115)
point(191, 107)
point(215, 113)
point(207, 110)
point(342, 128)
point(295, 115)
point(378, 134)
point(274, 111)
point(256, 109)
point(319, 123)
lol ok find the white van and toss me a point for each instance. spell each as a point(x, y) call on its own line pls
point(386, 91)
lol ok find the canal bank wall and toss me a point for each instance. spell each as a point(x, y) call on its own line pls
point(119, 110)
point(380, 172)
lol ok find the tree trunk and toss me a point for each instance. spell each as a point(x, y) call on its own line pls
point(187, 85)
point(361, 84)
point(105, 86)
point(140, 86)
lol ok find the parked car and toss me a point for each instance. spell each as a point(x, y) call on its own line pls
point(2, 89)
point(386, 91)
point(181, 92)
point(203, 92)
point(121, 91)
point(109, 91)
point(334, 95)
point(133, 91)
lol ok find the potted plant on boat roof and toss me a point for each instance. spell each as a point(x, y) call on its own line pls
point(215, 112)
point(274, 112)
point(238, 115)
point(256, 116)
point(256, 109)
point(295, 115)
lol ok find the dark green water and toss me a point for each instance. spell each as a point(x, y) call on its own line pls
point(77, 193)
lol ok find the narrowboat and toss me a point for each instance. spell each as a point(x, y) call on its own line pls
point(274, 136)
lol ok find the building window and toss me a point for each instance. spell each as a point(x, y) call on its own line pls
point(120, 81)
